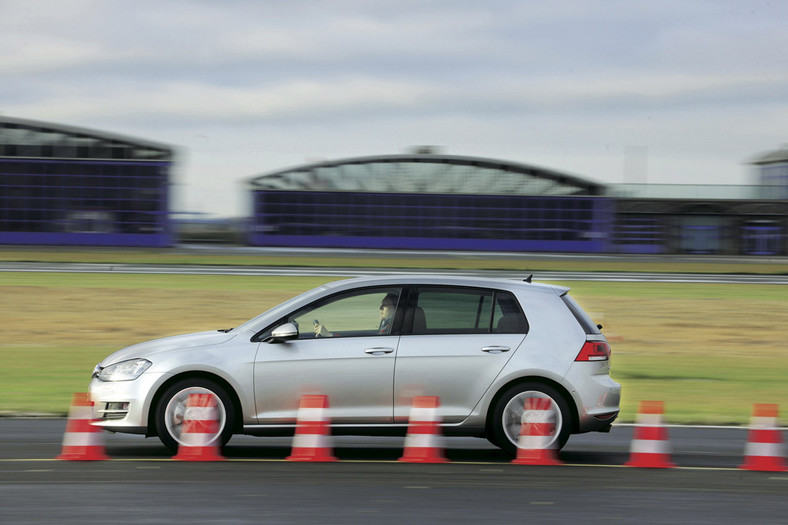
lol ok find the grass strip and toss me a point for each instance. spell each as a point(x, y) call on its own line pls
point(458, 260)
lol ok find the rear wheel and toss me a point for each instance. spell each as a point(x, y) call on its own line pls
point(507, 416)
point(171, 408)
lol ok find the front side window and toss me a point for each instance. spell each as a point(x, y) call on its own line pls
point(359, 313)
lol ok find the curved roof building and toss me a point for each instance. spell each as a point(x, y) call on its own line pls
point(427, 173)
point(64, 185)
point(432, 201)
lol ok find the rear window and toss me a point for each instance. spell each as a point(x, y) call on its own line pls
point(589, 327)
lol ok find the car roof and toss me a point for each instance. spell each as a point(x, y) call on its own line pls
point(512, 284)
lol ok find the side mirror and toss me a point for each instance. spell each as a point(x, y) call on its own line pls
point(282, 333)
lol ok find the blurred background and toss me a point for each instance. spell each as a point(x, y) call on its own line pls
point(62, 185)
point(574, 126)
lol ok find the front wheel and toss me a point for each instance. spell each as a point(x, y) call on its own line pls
point(507, 416)
point(171, 408)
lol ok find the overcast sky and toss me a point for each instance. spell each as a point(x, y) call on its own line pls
point(663, 91)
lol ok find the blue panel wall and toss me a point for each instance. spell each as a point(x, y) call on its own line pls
point(81, 202)
point(431, 221)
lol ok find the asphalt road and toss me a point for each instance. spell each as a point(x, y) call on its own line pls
point(141, 484)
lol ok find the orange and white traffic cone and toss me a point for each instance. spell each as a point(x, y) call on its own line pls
point(200, 440)
point(312, 440)
point(422, 442)
point(650, 447)
point(764, 450)
point(536, 430)
point(82, 441)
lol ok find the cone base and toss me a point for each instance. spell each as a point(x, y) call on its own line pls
point(649, 465)
point(315, 458)
point(407, 459)
point(649, 461)
point(82, 457)
point(764, 465)
point(537, 457)
point(200, 454)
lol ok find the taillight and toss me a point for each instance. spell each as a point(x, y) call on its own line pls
point(594, 351)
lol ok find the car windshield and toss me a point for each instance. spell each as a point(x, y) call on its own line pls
point(261, 321)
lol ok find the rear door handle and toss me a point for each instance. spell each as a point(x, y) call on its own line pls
point(379, 350)
point(495, 349)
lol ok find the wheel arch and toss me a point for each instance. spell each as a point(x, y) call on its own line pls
point(573, 412)
point(238, 423)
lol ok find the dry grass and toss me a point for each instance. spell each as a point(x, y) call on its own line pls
point(709, 352)
point(119, 317)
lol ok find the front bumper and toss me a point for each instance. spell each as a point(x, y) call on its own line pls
point(124, 406)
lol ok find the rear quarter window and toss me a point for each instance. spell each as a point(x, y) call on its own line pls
point(589, 327)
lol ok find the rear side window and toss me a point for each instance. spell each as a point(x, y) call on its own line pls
point(589, 327)
point(447, 310)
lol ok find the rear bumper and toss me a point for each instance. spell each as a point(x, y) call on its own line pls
point(597, 398)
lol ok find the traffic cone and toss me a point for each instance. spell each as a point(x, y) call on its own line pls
point(764, 449)
point(199, 433)
point(82, 441)
point(312, 440)
point(538, 425)
point(422, 442)
point(650, 446)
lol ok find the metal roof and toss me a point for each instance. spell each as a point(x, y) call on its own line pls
point(426, 173)
point(772, 157)
point(21, 138)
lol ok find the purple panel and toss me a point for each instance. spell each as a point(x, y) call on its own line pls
point(432, 221)
point(84, 202)
point(159, 240)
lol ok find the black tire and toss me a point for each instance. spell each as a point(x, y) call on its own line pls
point(506, 417)
point(172, 404)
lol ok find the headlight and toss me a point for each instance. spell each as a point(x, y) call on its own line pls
point(125, 370)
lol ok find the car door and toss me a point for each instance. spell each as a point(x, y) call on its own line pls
point(455, 341)
point(351, 361)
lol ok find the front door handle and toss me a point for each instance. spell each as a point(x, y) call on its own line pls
point(495, 349)
point(379, 350)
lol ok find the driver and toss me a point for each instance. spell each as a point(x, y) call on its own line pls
point(387, 307)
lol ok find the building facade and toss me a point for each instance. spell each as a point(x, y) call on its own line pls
point(61, 185)
point(699, 219)
point(773, 172)
point(428, 201)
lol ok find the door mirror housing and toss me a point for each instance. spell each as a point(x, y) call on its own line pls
point(283, 333)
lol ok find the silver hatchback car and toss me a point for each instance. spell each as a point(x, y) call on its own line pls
point(483, 346)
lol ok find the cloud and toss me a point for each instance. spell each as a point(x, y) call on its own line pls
point(568, 84)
